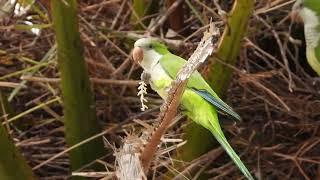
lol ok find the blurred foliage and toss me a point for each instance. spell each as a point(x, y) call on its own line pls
point(12, 165)
point(79, 107)
point(141, 9)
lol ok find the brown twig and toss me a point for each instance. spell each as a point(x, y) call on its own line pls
point(208, 157)
point(10, 84)
point(94, 80)
point(163, 18)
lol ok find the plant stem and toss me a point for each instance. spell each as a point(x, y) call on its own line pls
point(12, 164)
point(79, 108)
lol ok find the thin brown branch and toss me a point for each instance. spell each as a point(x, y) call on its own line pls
point(163, 18)
point(94, 80)
point(10, 84)
point(202, 160)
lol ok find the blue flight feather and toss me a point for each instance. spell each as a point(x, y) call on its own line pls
point(217, 103)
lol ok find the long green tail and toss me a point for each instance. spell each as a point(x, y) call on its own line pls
point(218, 134)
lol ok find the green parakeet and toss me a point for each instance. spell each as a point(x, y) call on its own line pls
point(199, 102)
point(309, 11)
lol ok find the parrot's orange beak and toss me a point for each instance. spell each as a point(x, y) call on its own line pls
point(137, 54)
point(294, 15)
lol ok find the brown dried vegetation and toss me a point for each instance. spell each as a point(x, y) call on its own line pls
point(273, 90)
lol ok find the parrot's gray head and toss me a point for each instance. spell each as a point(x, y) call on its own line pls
point(141, 47)
point(144, 42)
point(298, 5)
point(296, 12)
point(148, 51)
point(306, 11)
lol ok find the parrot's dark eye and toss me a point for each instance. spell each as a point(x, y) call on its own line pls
point(301, 5)
point(150, 46)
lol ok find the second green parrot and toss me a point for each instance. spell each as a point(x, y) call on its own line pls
point(199, 102)
point(309, 11)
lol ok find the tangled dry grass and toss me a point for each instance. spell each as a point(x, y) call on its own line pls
point(273, 89)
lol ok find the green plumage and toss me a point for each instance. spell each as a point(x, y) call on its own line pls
point(313, 57)
point(195, 81)
point(309, 11)
point(200, 110)
point(317, 52)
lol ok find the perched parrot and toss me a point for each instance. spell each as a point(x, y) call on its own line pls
point(309, 11)
point(199, 102)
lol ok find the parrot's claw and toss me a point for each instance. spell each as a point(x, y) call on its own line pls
point(145, 77)
point(167, 89)
point(315, 80)
point(316, 83)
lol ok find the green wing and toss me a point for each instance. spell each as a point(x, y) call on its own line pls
point(172, 64)
point(317, 54)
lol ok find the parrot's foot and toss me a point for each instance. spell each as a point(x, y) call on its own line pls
point(145, 77)
point(315, 81)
